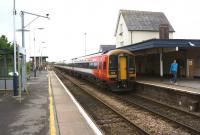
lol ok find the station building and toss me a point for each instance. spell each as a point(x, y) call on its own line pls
point(150, 36)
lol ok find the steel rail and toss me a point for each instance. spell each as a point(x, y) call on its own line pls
point(196, 131)
point(142, 132)
point(166, 105)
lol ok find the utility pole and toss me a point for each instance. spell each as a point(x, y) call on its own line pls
point(24, 55)
point(15, 76)
point(23, 43)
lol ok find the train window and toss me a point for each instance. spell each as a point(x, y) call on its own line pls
point(79, 65)
point(91, 65)
point(113, 62)
point(86, 65)
point(131, 62)
point(95, 65)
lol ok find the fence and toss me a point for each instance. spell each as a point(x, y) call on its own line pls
point(6, 66)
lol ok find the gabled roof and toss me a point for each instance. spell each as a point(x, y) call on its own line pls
point(143, 20)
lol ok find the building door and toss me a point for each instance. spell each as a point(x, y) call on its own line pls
point(123, 67)
point(190, 65)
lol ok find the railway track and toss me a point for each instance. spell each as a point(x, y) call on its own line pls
point(103, 113)
point(183, 118)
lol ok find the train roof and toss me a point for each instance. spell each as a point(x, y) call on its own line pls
point(118, 51)
point(110, 52)
point(89, 55)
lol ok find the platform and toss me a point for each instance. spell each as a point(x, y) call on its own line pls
point(185, 94)
point(48, 109)
point(191, 86)
point(70, 116)
point(31, 116)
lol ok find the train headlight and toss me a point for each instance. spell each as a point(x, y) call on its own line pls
point(131, 71)
point(112, 72)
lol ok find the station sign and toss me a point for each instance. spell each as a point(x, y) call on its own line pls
point(22, 50)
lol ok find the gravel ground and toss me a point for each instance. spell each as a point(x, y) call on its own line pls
point(152, 123)
point(107, 120)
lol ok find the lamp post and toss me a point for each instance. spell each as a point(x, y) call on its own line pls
point(35, 63)
point(41, 62)
point(40, 53)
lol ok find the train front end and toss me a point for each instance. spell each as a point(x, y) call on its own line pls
point(121, 70)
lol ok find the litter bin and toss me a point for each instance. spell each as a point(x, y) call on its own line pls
point(15, 84)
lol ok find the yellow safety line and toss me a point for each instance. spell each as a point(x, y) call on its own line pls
point(52, 119)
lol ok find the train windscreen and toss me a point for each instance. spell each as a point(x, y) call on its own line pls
point(113, 62)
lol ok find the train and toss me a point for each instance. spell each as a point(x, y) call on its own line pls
point(113, 69)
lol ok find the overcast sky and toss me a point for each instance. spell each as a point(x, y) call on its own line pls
point(70, 19)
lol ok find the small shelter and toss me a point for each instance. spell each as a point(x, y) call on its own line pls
point(41, 61)
point(6, 66)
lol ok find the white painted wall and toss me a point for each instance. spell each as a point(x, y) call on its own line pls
point(125, 37)
point(139, 36)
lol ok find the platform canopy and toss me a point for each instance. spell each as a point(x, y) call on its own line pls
point(161, 52)
point(163, 43)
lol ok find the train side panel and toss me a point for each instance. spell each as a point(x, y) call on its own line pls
point(114, 69)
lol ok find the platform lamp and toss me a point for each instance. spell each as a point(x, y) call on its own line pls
point(41, 49)
point(35, 67)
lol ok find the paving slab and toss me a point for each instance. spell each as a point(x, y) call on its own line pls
point(185, 85)
point(31, 116)
point(70, 120)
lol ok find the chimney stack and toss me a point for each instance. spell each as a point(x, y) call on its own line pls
point(164, 31)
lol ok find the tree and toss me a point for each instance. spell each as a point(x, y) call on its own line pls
point(6, 56)
point(4, 44)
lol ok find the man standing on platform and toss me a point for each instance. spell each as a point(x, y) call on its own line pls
point(173, 71)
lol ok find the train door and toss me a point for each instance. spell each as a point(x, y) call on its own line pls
point(100, 67)
point(123, 67)
point(104, 67)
